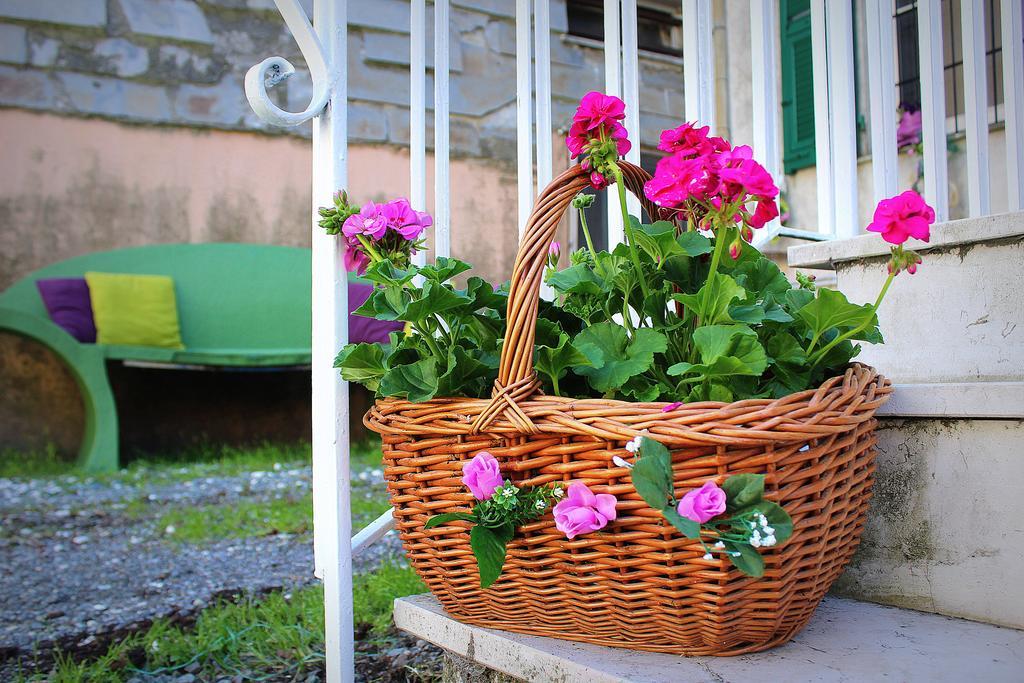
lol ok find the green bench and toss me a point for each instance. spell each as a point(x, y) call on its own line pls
point(239, 305)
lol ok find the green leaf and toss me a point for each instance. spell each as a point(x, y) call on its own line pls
point(725, 351)
point(652, 474)
point(743, 490)
point(789, 362)
point(762, 277)
point(362, 363)
point(657, 239)
point(555, 362)
point(578, 279)
point(795, 299)
point(747, 313)
point(461, 371)
point(749, 561)
point(778, 519)
point(447, 517)
point(721, 290)
point(694, 244)
point(830, 309)
point(435, 298)
point(444, 269)
point(483, 296)
point(387, 303)
point(488, 546)
point(416, 381)
point(614, 358)
point(386, 273)
point(686, 526)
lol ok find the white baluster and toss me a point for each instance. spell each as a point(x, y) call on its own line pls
point(613, 86)
point(933, 107)
point(524, 90)
point(418, 112)
point(843, 118)
point(764, 49)
point(882, 98)
point(442, 178)
point(822, 120)
point(698, 63)
point(631, 91)
point(1013, 101)
point(972, 21)
point(542, 60)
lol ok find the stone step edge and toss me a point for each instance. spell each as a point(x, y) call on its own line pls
point(846, 640)
point(967, 400)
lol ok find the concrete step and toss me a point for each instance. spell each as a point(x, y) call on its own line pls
point(847, 640)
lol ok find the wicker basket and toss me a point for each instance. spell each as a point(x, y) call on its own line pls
point(638, 583)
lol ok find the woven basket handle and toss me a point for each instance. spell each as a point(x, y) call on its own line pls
point(517, 379)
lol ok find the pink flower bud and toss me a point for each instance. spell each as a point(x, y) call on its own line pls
point(734, 249)
point(598, 181)
point(702, 504)
point(912, 268)
point(482, 475)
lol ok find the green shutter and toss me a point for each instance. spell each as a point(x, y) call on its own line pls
point(797, 85)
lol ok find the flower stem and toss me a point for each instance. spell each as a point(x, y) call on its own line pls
point(627, 228)
point(720, 239)
point(374, 255)
point(816, 358)
point(590, 242)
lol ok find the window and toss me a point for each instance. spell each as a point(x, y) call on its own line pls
point(657, 30)
point(908, 79)
point(597, 214)
point(797, 85)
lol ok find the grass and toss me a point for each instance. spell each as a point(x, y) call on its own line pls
point(279, 636)
point(200, 461)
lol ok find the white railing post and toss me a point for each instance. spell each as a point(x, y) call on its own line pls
point(842, 117)
point(631, 91)
point(524, 93)
point(822, 118)
point(330, 332)
point(1013, 101)
point(698, 63)
point(881, 84)
point(418, 112)
point(972, 21)
point(613, 86)
point(764, 50)
point(933, 107)
point(442, 177)
point(542, 61)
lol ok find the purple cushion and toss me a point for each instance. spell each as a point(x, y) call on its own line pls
point(362, 329)
point(68, 303)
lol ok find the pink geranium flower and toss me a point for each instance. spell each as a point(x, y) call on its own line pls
point(482, 475)
point(909, 130)
point(369, 221)
point(355, 258)
point(690, 141)
point(766, 210)
point(583, 511)
point(403, 219)
point(598, 110)
point(677, 179)
point(903, 216)
point(702, 504)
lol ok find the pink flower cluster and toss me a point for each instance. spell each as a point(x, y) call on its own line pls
point(596, 124)
point(395, 221)
point(909, 130)
point(583, 511)
point(705, 174)
point(901, 217)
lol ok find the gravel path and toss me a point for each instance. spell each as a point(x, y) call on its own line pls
point(80, 561)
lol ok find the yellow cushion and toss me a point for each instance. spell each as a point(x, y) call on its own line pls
point(134, 310)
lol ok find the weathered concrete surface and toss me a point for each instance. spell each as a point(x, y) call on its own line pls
point(945, 532)
point(960, 318)
point(845, 641)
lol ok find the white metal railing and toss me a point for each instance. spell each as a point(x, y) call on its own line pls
point(325, 53)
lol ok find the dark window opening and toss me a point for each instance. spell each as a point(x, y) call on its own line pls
point(656, 31)
point(908, 78)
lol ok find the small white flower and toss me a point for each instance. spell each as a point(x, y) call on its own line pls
point(755, 541)
point(756, 535)
point(719, 545)
point(634, 445)
point(619, 462)
point(768, 541)
point(558, 492)
point(763, 520)
point(708, 556)
point(170, 530)
point(753, 525)
point(154, 646)
point(734, 554)
point(541, 505)
point(769, 530)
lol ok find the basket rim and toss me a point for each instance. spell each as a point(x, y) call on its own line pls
point(839, 404)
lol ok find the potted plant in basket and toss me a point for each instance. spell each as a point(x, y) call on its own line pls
point(678, 438)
